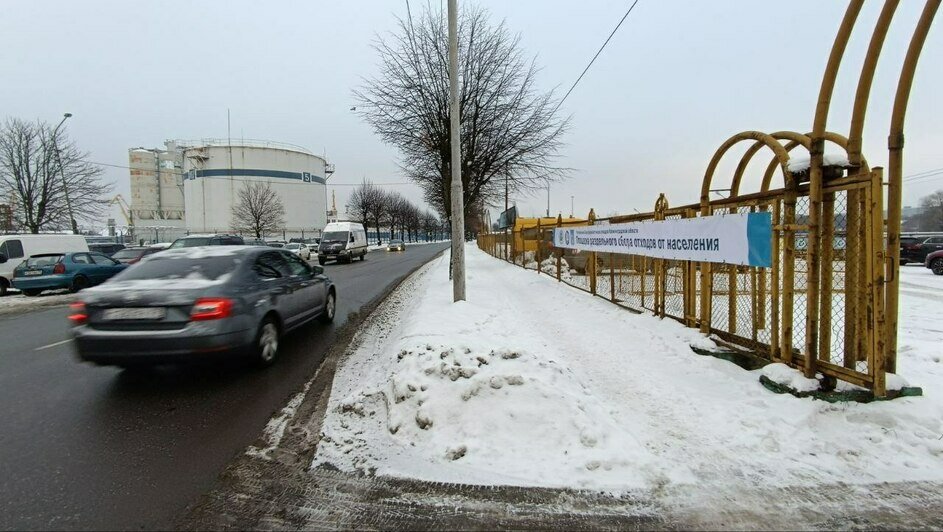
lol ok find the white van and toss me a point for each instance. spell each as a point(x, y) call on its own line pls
point(343, 242)
point(15, 248)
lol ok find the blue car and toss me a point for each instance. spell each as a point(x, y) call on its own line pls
point(55, 271)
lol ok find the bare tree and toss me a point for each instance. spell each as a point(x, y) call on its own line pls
point(396, 209)
point(510, 132)
point(258, 209)
point(430, 225)
point(33, 165)
point(932, 216)
point(368, 204)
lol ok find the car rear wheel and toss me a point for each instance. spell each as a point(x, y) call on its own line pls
point(321, 262)
point(80, 282)
point(937, 266)
point(363, 257)
point(266, 343)
point(32, 293)
point(330, 308)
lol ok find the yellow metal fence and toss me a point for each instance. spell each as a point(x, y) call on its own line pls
point(764, 310)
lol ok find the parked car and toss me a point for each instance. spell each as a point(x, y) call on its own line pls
point(255, 242)
point(187, 304)
point(15, 248)
point(302, 250)
point(105, 248)
point(132, 255)
point(934, 261)
point(396, 245)
point(915, 248)
point(55, 271)
point(207, 240)
point(342, 242)
point(275, 243)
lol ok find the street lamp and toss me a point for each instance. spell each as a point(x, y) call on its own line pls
point(65, 185)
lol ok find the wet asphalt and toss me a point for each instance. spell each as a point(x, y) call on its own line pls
point(86, 447)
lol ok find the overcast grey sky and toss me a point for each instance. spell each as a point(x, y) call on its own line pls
point(676, 81)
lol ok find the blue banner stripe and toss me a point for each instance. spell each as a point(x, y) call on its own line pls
point(249, 172)
point(760, 239)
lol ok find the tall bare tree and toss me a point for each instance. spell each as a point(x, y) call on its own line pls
point(932, 217)
point(510, 131)
point(258, 209)
point(34, 161)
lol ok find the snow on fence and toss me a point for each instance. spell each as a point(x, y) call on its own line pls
point(761, 309)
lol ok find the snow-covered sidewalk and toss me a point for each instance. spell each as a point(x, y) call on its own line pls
point(534, 383)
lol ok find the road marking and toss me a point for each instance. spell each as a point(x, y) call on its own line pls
point(52, 345)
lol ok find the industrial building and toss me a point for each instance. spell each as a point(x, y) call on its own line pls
point(192, 186)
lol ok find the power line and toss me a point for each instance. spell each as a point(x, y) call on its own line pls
point(575, 83)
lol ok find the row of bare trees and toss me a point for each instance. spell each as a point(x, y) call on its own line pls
point(37, 165)
point(377, 208)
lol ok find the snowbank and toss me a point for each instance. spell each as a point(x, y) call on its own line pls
point(533, 383)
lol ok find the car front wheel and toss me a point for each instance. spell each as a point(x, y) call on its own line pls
point(266, 342)
point(937, 266)
point(32, 292)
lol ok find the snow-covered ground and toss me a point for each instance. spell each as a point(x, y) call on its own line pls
point(534, 383)
point(15, 302)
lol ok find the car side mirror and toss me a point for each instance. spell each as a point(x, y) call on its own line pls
point(3, 258)
point(318, 270)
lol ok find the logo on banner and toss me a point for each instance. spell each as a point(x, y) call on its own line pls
point(306, 176)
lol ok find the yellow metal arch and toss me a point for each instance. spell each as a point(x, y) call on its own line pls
point(796, 138)
point(782, 158)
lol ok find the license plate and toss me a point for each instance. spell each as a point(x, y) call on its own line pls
point(33, 272)
point(145, 313)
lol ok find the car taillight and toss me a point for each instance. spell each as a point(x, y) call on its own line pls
point(211, 308)
point(58, 268)
point(134, 260)
point(79, 314)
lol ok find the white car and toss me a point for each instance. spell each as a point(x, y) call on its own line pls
point(302, 250)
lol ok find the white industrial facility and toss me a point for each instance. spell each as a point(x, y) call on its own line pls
point(191, 186)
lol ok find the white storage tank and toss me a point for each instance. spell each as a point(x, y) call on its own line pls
point(215, 171)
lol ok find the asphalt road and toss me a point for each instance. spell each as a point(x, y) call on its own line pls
point(95, 448)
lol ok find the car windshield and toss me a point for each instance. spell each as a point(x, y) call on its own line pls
point(293, 246)
point(127, 253)
point(190, 242)
point(393, 242)
point(160, 267)
point(43, 260)
point(334, 236)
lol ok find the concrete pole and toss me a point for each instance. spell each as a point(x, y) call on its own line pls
point(458, 209)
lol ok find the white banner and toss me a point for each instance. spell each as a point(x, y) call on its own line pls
point(744, 239)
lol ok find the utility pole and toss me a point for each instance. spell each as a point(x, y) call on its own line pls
point(458, 208)
point(65, 185)
point(548, 198)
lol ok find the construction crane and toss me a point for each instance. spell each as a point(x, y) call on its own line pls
point(125, 211)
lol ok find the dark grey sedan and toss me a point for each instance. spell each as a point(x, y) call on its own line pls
point(187, 304)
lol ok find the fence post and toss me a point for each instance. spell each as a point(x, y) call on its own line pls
point(592, 258)
point(539, 240)
point(774, 282)
point(826, 267)
point(690, 285)
point(877, 361)
point(559, 252)
point(612, 277)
